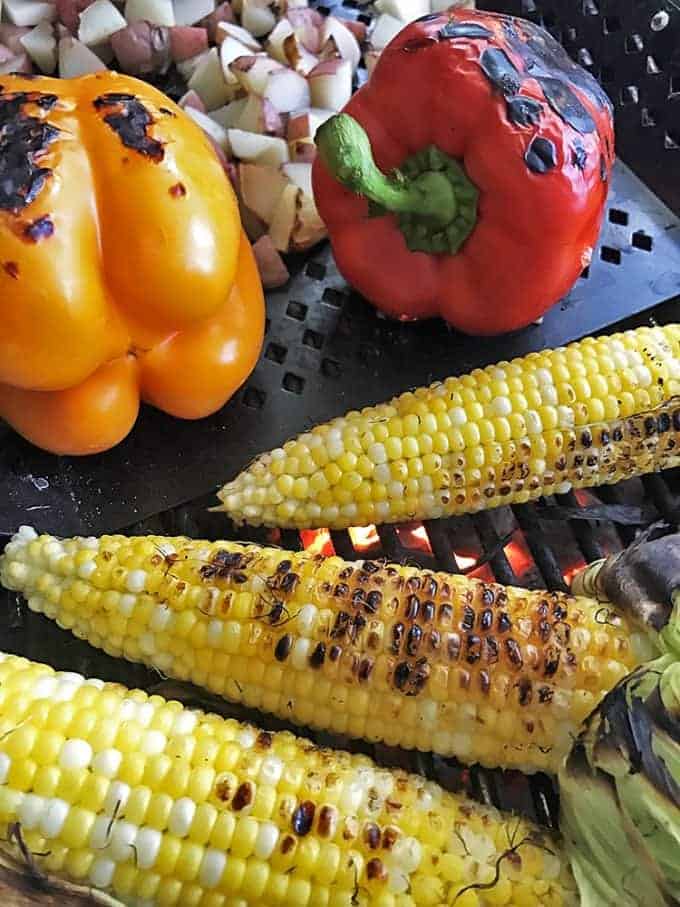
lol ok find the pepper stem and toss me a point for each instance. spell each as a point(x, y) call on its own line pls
point(431, 193)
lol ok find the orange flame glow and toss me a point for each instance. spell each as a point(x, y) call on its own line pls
point(364, 537)
point(518, 554)
point(317, 541)
point(571, 571)
point(414, 536)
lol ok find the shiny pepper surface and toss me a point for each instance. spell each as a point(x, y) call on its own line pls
point(124, 272)
point(468, 177)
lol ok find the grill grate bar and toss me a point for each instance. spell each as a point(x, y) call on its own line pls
point(583, 530)
point(616, 494)
point(343, 545)
point(543, 555)
point(491, 544)
point(665, 501)
point(437, 533)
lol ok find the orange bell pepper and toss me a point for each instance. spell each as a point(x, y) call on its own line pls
point(124, 271)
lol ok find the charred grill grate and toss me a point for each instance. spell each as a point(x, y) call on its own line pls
point(319, 335)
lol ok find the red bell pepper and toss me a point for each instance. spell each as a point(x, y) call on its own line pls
point(468, 177)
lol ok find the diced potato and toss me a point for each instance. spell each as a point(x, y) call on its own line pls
point(229, 29)
point(284, 217)
point(228, 115)
point(230, 49)
point(287, 90)
point(308, 25)
point(301, 176)
point(275, 42)
point(186, 68)
point(187, 41)
point(191, 99)
point(304, 123)
point(98, 22)
point(406, 10)
point(260, 149)
point(309, 229)
point(29, 12)
point(208, 81)
point(330, 84)
point(261, 187)
point(347, 44)
point(258, 115)
point(158, 12)
point(258, 17)
point(189, 12)
point(76, 59)
point(216, 133)
point(386, 28)
point(20, 63)
point(253, 71)
point(297, 55)
point(272, 268)
point(302, 151)
point(41, 46)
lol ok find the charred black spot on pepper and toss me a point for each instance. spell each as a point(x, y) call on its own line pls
point(566, 104)
point(179, 190)
point(39, 229)
point(130, 122)
point(579, 156)
point(167, 112)
point(318, 656)
point(454, 30)
point(303, 817)
point(11, 268)
point(501, 71)
point(283, 647)
point(541, 156)
point(418, 43)
point(524, 111)
point(24, 139)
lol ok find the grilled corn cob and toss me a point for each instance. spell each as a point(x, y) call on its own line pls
point(589, 414)
point(423, 660)
point(160, 805)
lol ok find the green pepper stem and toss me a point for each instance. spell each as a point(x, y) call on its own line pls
point(346, 151)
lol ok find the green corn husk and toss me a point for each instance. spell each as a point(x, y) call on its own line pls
point(620, 788)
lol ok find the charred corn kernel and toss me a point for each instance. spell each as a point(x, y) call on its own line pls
point(390, 653)
point(608, 403)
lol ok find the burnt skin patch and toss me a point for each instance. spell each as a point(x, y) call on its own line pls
point(579, 156)
point(24, 139)
point(566, 104)
point(179, 190)
point(524, 111)
point(39, 229)
point(12, 269)
point(501, 71)
point(454, 30)
point(541, 156)
point(130, 120)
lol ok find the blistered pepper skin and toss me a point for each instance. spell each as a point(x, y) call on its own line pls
point(532, 133)
point(120, 242)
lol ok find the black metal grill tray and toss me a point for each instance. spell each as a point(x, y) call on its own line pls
point(327, 351)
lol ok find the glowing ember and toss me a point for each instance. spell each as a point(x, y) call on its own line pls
point(518, 554)
point(465, 562)
point(571, 572)
point(414, 536)
point(317, 541)
point(364, 537)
